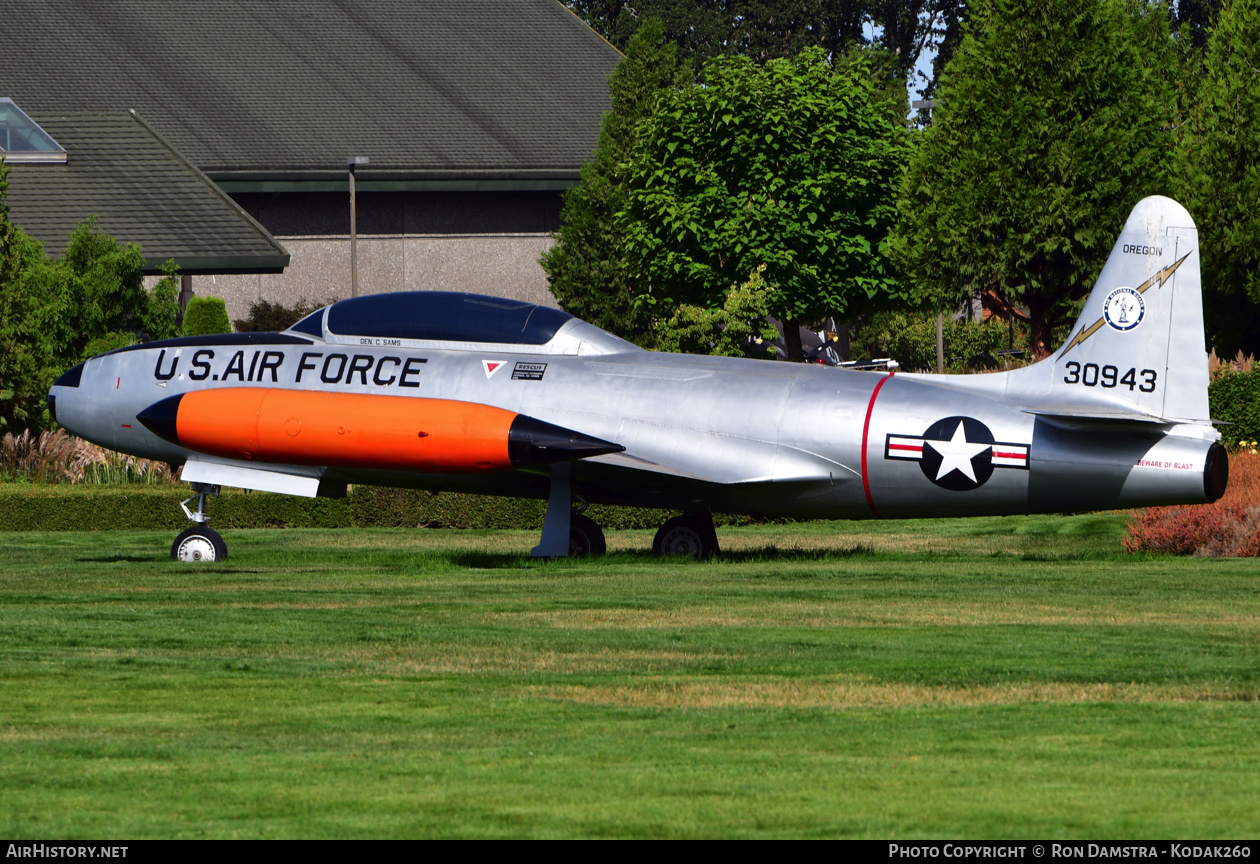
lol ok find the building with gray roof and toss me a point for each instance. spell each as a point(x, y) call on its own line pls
point(142, 191)
point(474, 116)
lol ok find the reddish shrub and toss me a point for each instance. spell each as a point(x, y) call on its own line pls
point(1230, 528)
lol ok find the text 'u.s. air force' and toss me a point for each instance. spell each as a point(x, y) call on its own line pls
point(364, 370)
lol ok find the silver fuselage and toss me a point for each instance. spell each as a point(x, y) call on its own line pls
point(724, 434)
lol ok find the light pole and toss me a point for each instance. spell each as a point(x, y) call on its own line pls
point(940, 343)
point(353, 162)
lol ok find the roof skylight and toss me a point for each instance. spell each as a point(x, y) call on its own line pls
point(21, 139)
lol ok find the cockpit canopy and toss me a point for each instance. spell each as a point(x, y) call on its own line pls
point(457, 321)
point(445, 316)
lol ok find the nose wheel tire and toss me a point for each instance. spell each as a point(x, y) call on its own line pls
point(199, 543)
point(586, 539)
point(691, 534)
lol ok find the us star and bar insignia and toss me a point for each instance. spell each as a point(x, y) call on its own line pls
point(957, 453)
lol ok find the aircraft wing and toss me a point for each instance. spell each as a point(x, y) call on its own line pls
point(774, 464)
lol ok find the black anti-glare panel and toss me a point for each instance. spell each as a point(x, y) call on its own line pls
point(71, 377)
point(223, 339)
point(446, 316)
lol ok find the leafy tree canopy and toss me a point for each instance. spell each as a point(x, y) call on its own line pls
point(1192, 20)
point(792, 165)
point(766, 29)
point(698, 29)
point(1221, 176)
point(910, 339)
point(587, 266)
point(1053, 123)
point(54, 314)
point(737, 329)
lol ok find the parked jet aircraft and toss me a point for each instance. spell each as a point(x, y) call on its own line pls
point(480, 394)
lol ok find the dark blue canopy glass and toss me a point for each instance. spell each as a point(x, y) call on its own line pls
point(446, 316)
point(312, 324)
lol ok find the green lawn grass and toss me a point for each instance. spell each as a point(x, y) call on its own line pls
point(1015, 677)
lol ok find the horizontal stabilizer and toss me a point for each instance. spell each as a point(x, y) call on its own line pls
point(1096, 412)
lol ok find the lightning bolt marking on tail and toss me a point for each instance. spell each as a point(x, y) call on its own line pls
point(1158, 279)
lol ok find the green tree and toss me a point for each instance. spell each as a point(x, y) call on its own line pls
point(698, 29)
point(22, 356)
point(1052, 125)
point(910, 339)
point(160, 315)
point(942, 30)
point(587, 266)
point(792, 165)
point(767, 29)
point(101, 285)
point(54, 314)
point(1220, 176)
point(738, 329)
point(1193, 20)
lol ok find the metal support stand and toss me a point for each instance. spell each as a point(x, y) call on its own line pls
point(555, 535)
point(200, 491)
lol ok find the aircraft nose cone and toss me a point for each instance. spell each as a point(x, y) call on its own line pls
point(70, 379)
point(533, 442)
point(159, 418)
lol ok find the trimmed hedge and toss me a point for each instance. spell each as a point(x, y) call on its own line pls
point(31, 507)
point(206, 316)
point(1234, 397)
point(141, 508)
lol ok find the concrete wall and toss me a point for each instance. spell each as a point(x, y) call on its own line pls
point(483, 242)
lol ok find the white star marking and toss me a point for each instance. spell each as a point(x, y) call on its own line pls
point(957, 453)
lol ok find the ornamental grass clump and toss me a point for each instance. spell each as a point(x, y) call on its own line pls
point(59, 457)
point(1229, 528)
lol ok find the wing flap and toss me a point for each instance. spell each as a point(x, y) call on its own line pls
point(297, 480)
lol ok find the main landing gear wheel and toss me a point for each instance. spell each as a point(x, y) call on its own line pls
point(198, 543)
point(586, 539)
point(690, 534)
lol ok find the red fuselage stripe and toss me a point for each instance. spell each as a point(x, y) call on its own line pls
point(866, 430)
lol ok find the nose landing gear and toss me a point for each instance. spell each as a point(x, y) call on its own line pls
point(199, 543)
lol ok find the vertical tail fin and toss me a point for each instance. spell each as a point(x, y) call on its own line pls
point(1139, 343)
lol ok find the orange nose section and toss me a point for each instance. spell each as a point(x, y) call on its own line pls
point(353, 430)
